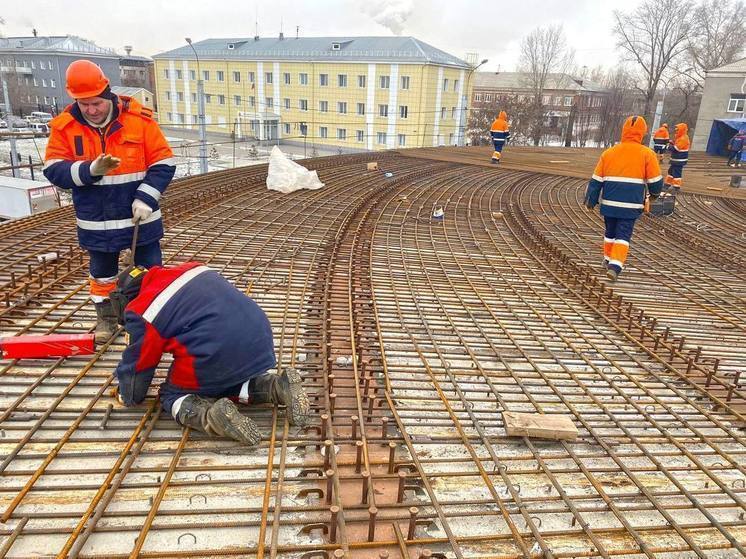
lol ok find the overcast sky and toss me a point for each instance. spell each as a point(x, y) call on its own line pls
point(491, 29)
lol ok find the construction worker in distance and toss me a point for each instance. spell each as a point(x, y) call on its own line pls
point(679, 148)
point(110, 152)
point(660, 141)
point(624, 176)
point(500, 132)
point(222, 348)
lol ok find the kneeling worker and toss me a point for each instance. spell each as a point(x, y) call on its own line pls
point(222, 348)
point(624, 176)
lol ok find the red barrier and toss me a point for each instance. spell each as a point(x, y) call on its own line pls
point(45, 347)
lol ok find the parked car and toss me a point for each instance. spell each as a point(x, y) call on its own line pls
point(3, 124)
point(39, 128)
point(40, 116)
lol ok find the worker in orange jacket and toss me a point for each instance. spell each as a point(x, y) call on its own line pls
point(112, 155)
point(679, 149)
point(660, 141)
point(500, 132)
point(624, 176)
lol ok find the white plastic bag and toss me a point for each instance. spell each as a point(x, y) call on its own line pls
point(287, 176)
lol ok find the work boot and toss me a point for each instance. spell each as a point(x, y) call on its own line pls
point(218, 419)
point(612, 274)
point(106, 321)
point(284, 389)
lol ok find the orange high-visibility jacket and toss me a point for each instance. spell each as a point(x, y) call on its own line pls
point(103, 204)
point(680, 145)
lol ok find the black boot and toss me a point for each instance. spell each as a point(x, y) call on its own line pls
point(221, 419)
point(106, 321)
point(284, 389)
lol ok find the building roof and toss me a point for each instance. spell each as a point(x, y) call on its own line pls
point(128, 91)
point(62, 43)
point(321, 49)
point(520, 80)
point(737, 67)
point(134, 58)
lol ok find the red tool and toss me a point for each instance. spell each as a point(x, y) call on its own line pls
point(46, 347)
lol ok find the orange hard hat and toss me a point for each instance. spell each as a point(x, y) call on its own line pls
point(85, 79)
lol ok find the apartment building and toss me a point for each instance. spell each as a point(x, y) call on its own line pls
point(364, 93)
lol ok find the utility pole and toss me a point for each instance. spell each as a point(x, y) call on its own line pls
point(462, 124)
point(9, 116)
point(201, 114)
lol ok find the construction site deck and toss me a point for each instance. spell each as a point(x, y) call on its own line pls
point(412, 335)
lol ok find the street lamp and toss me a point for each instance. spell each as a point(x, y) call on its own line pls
point(462, 124)
point(201, 113)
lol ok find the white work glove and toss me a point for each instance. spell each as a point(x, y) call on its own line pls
point(140, 211)
point(104, 164)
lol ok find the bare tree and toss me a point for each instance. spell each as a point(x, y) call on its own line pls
point(518, 108)
point(618, 104)
point(544, 52)
point(717, 38)
point(655, 35)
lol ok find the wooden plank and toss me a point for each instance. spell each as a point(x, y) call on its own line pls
point(540, 426)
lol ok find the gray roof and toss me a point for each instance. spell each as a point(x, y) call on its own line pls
point(63, 43)
point(358, 49)
point(128, 91)
point(520, 80)
point(737, 67)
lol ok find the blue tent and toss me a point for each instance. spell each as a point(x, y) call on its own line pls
point(722, 131)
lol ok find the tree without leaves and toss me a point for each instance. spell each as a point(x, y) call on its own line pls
point(618, 104)
point(543, 52)
point(718, 36)
point(654, 36)
point(519, 116)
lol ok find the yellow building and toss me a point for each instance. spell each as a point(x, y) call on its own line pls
point(355, 92)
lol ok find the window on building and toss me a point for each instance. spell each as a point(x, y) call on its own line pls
point(405, 82)
point(323, 79)
point(41, 65)
point(383, 110)
point(237, 77)
point(736, 103)
point(268, 77)
point(43, 82)
point(237, 100)
point(180, 96)
point(286, 127)
point(221, 75)
point(36, 84)
point(487, 97)
point(342, 80)
point(180, 118)
point(445, 84)
point(323, 132)
point(361, 80)
point(342, 107)
point(286, 102)
point(403, 111)
point(208, 98)
point(46, 100)
point(49, 65)
point(341, 133)
point(568, 101)
point(443, 112)
point(192, 75)
point(385, 82)
point(286, 78)
point(170, 117)
point(221, 99)
point(324, 106)
point(33, 66)
point(52, 84)
point(303, 79)
point(477, 96)
point(178, 76)
point(450, 138)
point(455, 85)
point(545, 100)
point(359, 135)
point(269, 103)
point(381, 138)
point(557, 101)
point(402, 140)
point(453, 112)
point(194, 97)
point(252, 101)
point(206, 75)
point(361, 108)
point(168, 96)
point(303, 104)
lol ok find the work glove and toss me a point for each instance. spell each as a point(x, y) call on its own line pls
point(140, 211)
point(588, 204)
point(104, 164)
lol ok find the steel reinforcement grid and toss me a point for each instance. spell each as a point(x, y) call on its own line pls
point(412, 334)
